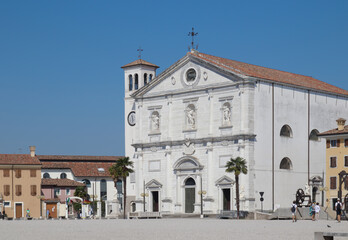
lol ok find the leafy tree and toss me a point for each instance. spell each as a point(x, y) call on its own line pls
point(81, 192)
point(120, 171)
point(237, 166)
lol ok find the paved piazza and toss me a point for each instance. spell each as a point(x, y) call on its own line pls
point(166, 229)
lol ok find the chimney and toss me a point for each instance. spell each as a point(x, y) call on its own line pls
point(32, 151)
point(340, 123)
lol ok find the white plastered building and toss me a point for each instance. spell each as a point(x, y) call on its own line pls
point(185, 124)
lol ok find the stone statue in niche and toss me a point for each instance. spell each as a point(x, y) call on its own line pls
point(155, 121)
point(226, 114)
point(191, 121)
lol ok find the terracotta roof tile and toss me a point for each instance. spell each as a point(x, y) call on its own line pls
point(335, 131)
point(19, 159)
point(270, 74)
point(77, 158)
point(140, 62)
point(81, 169)
point(60, 182)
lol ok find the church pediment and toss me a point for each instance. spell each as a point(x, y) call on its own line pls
point(224, 180)
point(153, 184)
point(187, 163)
point(189, 73)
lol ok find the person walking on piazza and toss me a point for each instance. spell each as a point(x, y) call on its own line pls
point(311, 210)
point(317, 211)
point(293, 210)
point(338, 208)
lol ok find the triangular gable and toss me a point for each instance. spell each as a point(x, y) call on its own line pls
point(188, 59)
point(153, 184)
point(224, 180)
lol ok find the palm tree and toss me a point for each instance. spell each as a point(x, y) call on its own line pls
point(120, 171)
point(237, 166)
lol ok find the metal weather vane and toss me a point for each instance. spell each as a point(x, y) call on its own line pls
point(193, 34)
point(139, 50)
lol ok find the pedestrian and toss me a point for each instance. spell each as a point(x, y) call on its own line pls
point(317, 211)
point(338, 208)
point(311, 210)
point(28, 213)
point(293, 210)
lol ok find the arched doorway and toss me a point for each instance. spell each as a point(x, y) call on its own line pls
point(190, 189)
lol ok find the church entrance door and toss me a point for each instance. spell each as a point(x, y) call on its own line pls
point(226, 199)
point(154, 201)
point(190, 189)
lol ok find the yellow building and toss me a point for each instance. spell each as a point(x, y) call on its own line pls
point(20, 185)
point(336, 160)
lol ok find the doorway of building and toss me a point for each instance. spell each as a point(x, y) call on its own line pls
point(155, 201)
point(190, 189)
point(226, 196)
point(314, 194)
point(51, 210)
point(19, 210)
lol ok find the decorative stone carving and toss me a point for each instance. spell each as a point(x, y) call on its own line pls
point(226, 114)
point(189, 148)
point(191, 117)
point(173, 80)
point(155, 121)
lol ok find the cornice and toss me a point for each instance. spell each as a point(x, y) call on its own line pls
point(195, 141)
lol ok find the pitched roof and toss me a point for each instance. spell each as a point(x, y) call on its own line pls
point(60, 182)
point(140, 62)
point(78, 158)
point(335, 132)
point(269, 74)
point(81, 169)
point(19, 159)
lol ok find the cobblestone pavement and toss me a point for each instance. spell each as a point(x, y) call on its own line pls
point(166, 229)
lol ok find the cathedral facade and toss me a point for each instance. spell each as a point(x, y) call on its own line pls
point(183, 125)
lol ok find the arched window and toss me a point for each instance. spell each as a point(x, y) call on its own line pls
point(150, 77)
point(62, 175)
point(286, 131)
point(136, 82)
point(286, 164)
point(145, 79)
point(46, 175)
point(87, 182)
point(314, 135)
point(103, 191)
point(130, 78)
point(190, 182)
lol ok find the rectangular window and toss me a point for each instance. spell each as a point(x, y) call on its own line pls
point(18, 190)
point(32, 172)
point(346, 161)
point(327, 143)
point(333, 162)
point(332, 182)
point(56, 192)
point(333, 143)
point(67, 191)
point(7, 204)
point(346, 142)
point(18, 173)
point(33, 190)
point(6, 172)
point(7, 190)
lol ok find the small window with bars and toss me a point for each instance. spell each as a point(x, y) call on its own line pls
point(7, 190)
point(18, 173)
point(33, 190)
point(333, 162)
point(32, 172)
point(6, 172)
point(332, 182)
point(18, 190)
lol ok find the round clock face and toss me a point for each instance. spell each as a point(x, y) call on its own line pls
point(131, 118)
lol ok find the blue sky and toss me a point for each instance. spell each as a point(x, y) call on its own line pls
point(61, 85)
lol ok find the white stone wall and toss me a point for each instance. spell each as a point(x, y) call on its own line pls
point(251, 114)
